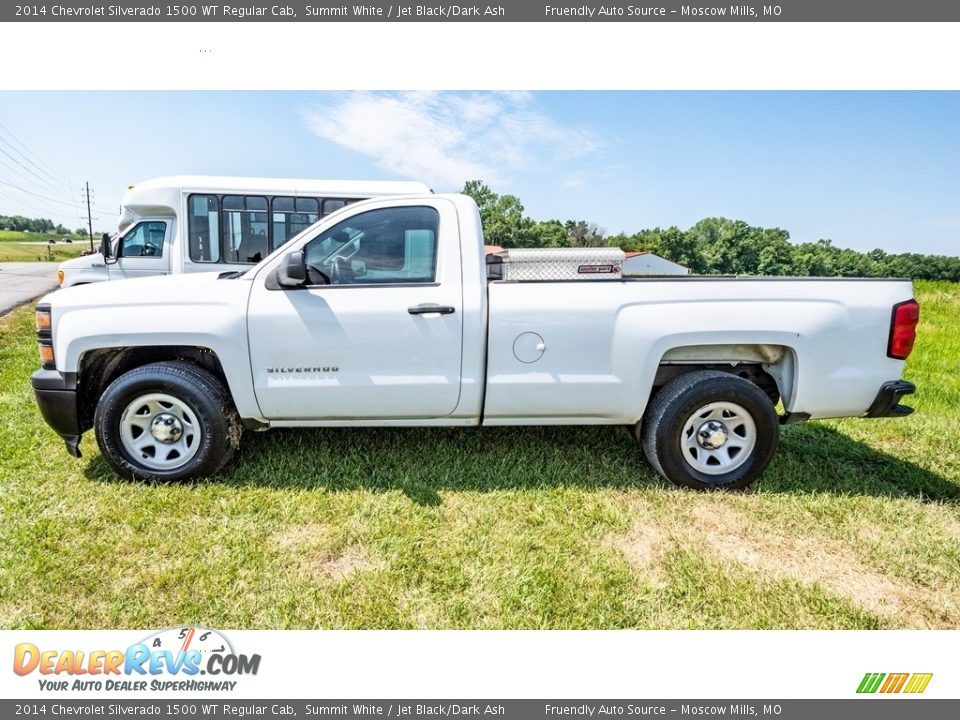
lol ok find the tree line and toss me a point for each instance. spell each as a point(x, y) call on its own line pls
point(713, 246)
point(37, 225)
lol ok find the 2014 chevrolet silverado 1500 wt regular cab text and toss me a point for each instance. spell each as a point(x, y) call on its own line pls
point(384, 313)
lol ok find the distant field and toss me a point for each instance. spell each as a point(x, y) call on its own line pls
point(17, 246)
point(21, 236)
point(856, 524)
point(24, 252)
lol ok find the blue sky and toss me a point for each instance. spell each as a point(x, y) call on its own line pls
point(865, 169)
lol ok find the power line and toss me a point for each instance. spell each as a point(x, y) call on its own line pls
point(42, 165)
point(22, 165)
point(45, 187)
point(52, 182)
point(30, 192)
point(31, 205)
point(50, 170)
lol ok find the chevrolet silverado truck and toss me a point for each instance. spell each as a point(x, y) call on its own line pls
point(389, 312)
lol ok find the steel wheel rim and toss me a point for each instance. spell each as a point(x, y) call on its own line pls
point(700, 435)
point(151, 440)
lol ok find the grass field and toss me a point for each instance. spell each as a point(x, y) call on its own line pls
point(855, 525)
point(22, 236)
point(17, 246)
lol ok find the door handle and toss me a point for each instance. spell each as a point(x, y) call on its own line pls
point(430, 308)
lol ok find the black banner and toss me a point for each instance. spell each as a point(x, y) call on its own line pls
point(506, 11)
point(873, 708)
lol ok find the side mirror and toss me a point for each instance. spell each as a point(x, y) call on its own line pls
point(106, 250)
point(293, 270)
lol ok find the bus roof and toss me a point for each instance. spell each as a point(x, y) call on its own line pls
point(275, 186)
point(163, 196)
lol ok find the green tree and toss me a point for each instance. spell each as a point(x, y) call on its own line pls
point(551, 233)
point(580, 233)
point(502, 217)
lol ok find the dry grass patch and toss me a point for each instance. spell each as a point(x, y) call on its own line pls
point(309, 549)
point(723, 528)
point(340, 565)
point(951, 524)
point(299, 537)
point(643, 546)
point(733, 536)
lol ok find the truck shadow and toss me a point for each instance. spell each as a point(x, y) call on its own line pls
point(424, 462)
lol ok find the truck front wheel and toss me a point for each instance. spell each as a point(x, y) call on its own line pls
point(709, 430)
point(166, 421)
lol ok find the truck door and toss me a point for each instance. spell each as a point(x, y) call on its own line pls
point(143, 250)
point(378, 330)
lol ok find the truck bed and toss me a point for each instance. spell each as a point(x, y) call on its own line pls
point(603, 340)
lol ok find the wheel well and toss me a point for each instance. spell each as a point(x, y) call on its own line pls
point(753, 372)
point(99, 368)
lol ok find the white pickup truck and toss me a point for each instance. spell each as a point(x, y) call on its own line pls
point(384, 313)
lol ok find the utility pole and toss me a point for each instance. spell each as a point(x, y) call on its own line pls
point(89, 217)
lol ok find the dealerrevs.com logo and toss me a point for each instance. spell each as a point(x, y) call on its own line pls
point(173, 659)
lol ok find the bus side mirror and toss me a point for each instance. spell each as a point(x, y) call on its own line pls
point(293, 270)
point(106, 250)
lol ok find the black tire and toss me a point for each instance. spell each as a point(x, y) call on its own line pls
point(204, 395)
point(676, 406)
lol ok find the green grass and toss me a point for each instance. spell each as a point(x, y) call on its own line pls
point(18, 246)
point(856, 524)
point(25, 252)
point(23, 236)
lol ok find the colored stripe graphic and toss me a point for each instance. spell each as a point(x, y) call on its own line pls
point(918, 683)
point(870, 682)
point(894, 683)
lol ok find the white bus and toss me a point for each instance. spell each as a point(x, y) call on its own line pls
point(202, 224)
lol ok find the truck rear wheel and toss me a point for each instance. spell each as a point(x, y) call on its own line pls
point(167, 421)
point(709, 430)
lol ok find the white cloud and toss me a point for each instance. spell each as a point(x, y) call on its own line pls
point(950, 223)
point(445, 139)
point(572, 182)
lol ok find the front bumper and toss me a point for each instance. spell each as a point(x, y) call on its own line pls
point(58, 401)
point(887, 402)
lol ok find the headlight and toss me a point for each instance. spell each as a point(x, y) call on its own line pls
point(47, 360)
point(44, 327)
point(43, 323)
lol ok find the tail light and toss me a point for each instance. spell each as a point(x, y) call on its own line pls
point(903, 329)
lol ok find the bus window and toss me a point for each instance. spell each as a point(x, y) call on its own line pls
point(331, 204)
point(245, 228)
point(204, 228)
point(291, 216)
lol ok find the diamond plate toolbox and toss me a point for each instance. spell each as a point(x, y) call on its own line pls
point(555, 264)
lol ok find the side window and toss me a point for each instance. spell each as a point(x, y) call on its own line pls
point(386, 246)
point(203, 221)
point(291, 216)
point(244, 228)
point(331, 204)
point(144, 240)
